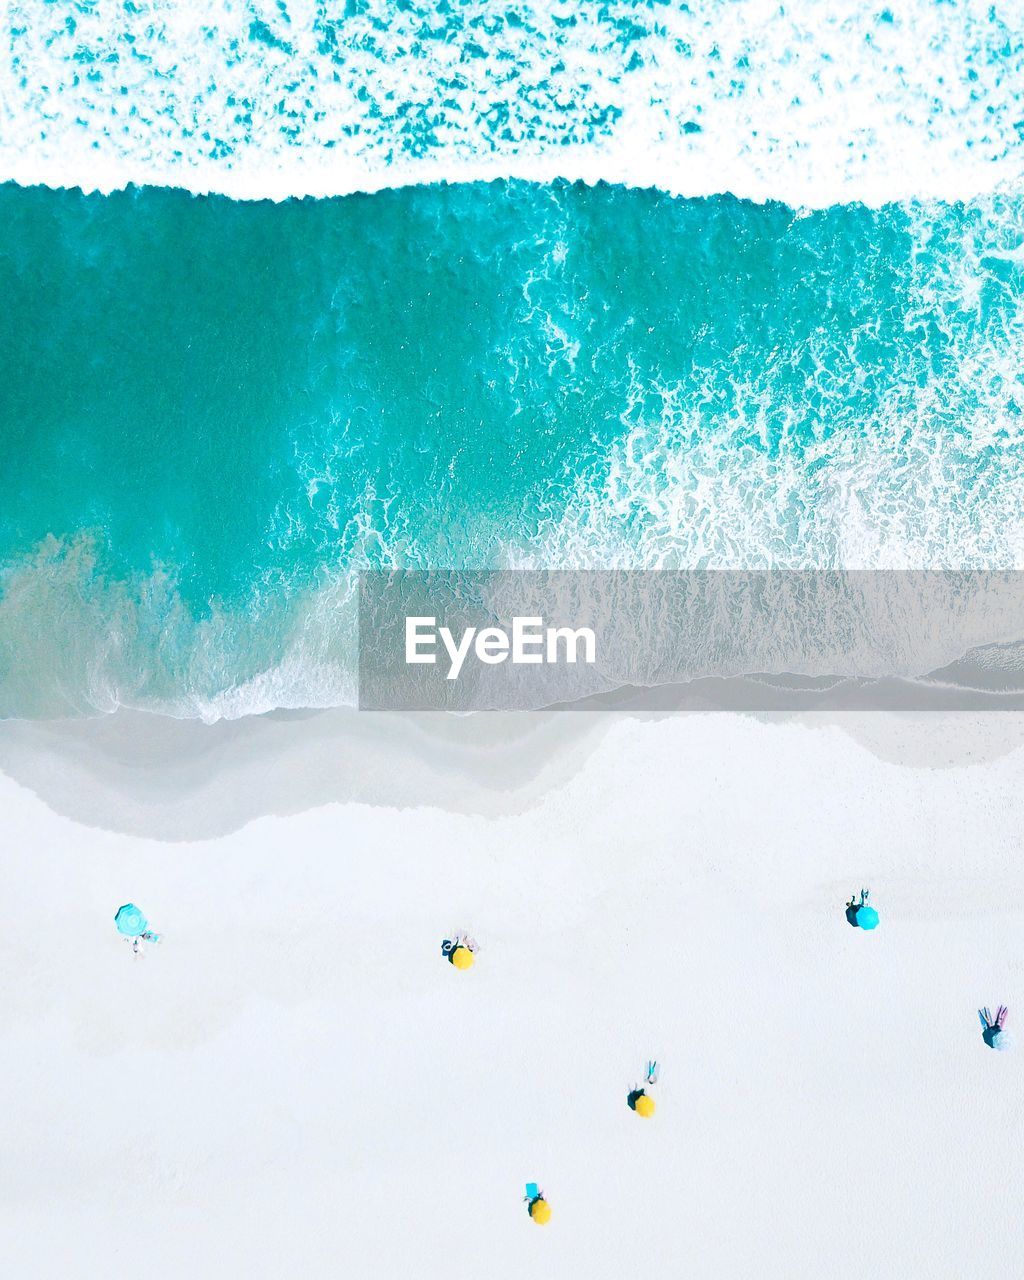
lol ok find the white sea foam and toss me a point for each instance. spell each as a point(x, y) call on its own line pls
point(671, 494)
point(812, 102)
point(106, 643)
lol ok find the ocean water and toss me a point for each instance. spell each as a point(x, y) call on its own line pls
point(776, 322)
point(214, 411)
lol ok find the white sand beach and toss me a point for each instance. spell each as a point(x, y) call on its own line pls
point(295, 1083)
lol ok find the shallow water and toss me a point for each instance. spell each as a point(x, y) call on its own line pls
point(214, 411)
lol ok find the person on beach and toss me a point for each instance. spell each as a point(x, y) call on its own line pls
point(993, 1029)
point(638, 1099)
point(133, 926)
point(859, 914)
point(459, 950)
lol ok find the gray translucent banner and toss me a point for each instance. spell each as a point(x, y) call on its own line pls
point(762, 640)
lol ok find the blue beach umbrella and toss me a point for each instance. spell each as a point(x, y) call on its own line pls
point(130, 921)
point(867, 917)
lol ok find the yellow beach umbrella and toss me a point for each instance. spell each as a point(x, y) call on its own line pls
point(540, 1211)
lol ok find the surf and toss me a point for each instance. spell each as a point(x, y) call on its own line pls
point(810, 105)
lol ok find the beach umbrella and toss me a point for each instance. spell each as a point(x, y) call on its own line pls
point(867, 917)
point(540, 1211)
point(130, 921)
point(995, 1034)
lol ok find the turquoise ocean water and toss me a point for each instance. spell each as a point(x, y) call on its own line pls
point(213, 411)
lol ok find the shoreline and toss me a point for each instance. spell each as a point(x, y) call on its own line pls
point(147, 775)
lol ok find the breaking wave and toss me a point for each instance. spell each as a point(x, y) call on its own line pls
point(812, 104)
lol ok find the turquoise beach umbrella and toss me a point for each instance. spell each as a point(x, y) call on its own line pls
point(867, 917)
point(130, 921)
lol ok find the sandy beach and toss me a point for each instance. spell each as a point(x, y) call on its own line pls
point(294, 1080)
point(545, 476)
